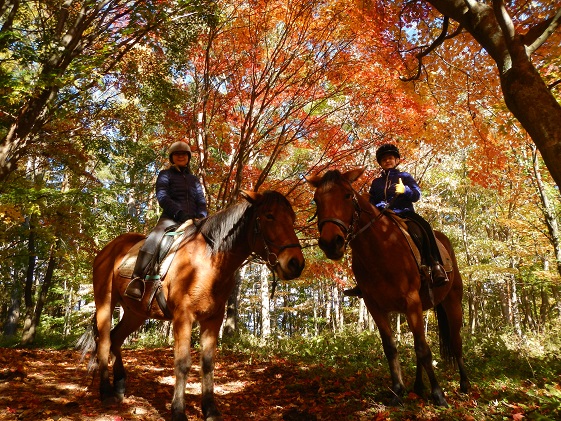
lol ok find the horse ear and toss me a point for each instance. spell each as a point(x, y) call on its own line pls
point(313, 180)
point(251, 196)
point(353, 175)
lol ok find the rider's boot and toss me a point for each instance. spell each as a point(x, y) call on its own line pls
point(135, 289)
point(438, 275)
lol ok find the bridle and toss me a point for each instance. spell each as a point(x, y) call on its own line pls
point(272, 260)
point(350, 231)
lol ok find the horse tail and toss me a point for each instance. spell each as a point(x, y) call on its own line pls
point(87, 344)
point(446, 350)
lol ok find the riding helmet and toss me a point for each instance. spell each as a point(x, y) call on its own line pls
point(385, 149)
point(179, 146)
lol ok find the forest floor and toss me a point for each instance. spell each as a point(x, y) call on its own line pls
point(39, 384)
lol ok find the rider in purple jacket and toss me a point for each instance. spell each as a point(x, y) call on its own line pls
point(181, 197)
point(398, 190)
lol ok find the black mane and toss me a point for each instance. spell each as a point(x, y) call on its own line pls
point(222, 229)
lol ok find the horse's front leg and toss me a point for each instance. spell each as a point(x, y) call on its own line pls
point(182, 356)
point(423, 353)
point(209, 338)
point(390, 350)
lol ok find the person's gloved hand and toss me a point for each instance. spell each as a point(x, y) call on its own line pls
point(400, 187)
point(181, 216)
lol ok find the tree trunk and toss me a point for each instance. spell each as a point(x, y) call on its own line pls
point(28, 335)
point(11, 325)
point(265, 303)
point(548, 211)
point(514, 306)
point(231, 322)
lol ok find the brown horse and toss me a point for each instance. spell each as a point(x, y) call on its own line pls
point(197, 285)
point(388, 275)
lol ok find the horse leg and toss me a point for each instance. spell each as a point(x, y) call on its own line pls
point(182, 326)
point(390, 350)
point(103, 321)
point(128, 324)
point(423, 353)
point(453, 312)
point(209, 338)
point(419, 386)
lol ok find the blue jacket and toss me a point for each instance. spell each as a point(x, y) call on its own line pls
point(179, 190)
point(382, 191)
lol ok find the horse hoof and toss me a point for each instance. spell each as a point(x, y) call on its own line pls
point(213, 415)
point(178, 416)
point(111, 400)
point(396, 401)
point(440, 401)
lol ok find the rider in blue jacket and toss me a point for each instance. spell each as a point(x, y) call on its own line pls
point(181, 197)
point(398, 190)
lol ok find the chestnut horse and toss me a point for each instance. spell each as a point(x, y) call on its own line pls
point(197, 286)
point(388, 275)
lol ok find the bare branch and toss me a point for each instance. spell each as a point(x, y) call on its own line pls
point(538, 34)
point(504, 20)
point(438, 41)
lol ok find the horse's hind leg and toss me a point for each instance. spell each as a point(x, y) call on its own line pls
point(103, 321)
point(209, 337)
point(452, 339)
point(128, 324)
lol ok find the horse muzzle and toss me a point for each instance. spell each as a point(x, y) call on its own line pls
point(290, 264)
point(332, 240)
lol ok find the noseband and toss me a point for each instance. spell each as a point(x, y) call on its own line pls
point(272, 259)
point(348, 230)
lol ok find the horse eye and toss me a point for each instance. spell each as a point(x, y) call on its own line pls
point(270, 217)
point(348, 196)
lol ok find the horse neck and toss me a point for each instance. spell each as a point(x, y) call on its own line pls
point(379, 225)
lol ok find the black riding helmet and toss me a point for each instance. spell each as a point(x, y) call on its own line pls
point(385, 149)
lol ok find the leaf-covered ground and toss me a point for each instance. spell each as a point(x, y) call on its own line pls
point(55, 385)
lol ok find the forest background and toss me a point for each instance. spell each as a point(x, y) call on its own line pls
point(267, 92)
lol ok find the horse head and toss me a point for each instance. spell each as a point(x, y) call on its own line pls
point(273, 237)
point(337, 209)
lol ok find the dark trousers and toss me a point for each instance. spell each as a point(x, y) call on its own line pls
point(421, 228)
point(155, 236)
point(146, 254)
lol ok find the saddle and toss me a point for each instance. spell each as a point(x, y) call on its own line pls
point(402, 224)
point(164, 257)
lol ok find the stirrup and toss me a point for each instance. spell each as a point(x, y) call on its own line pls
point(353, 292)
point(135, 289)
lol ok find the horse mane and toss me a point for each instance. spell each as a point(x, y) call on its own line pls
point(222, 229)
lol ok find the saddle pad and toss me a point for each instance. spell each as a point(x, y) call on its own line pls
point(446, 259)
point(126, 267)
point(402, 224)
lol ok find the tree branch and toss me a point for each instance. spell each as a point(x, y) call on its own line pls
point(539, 33)
point(438, 41)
